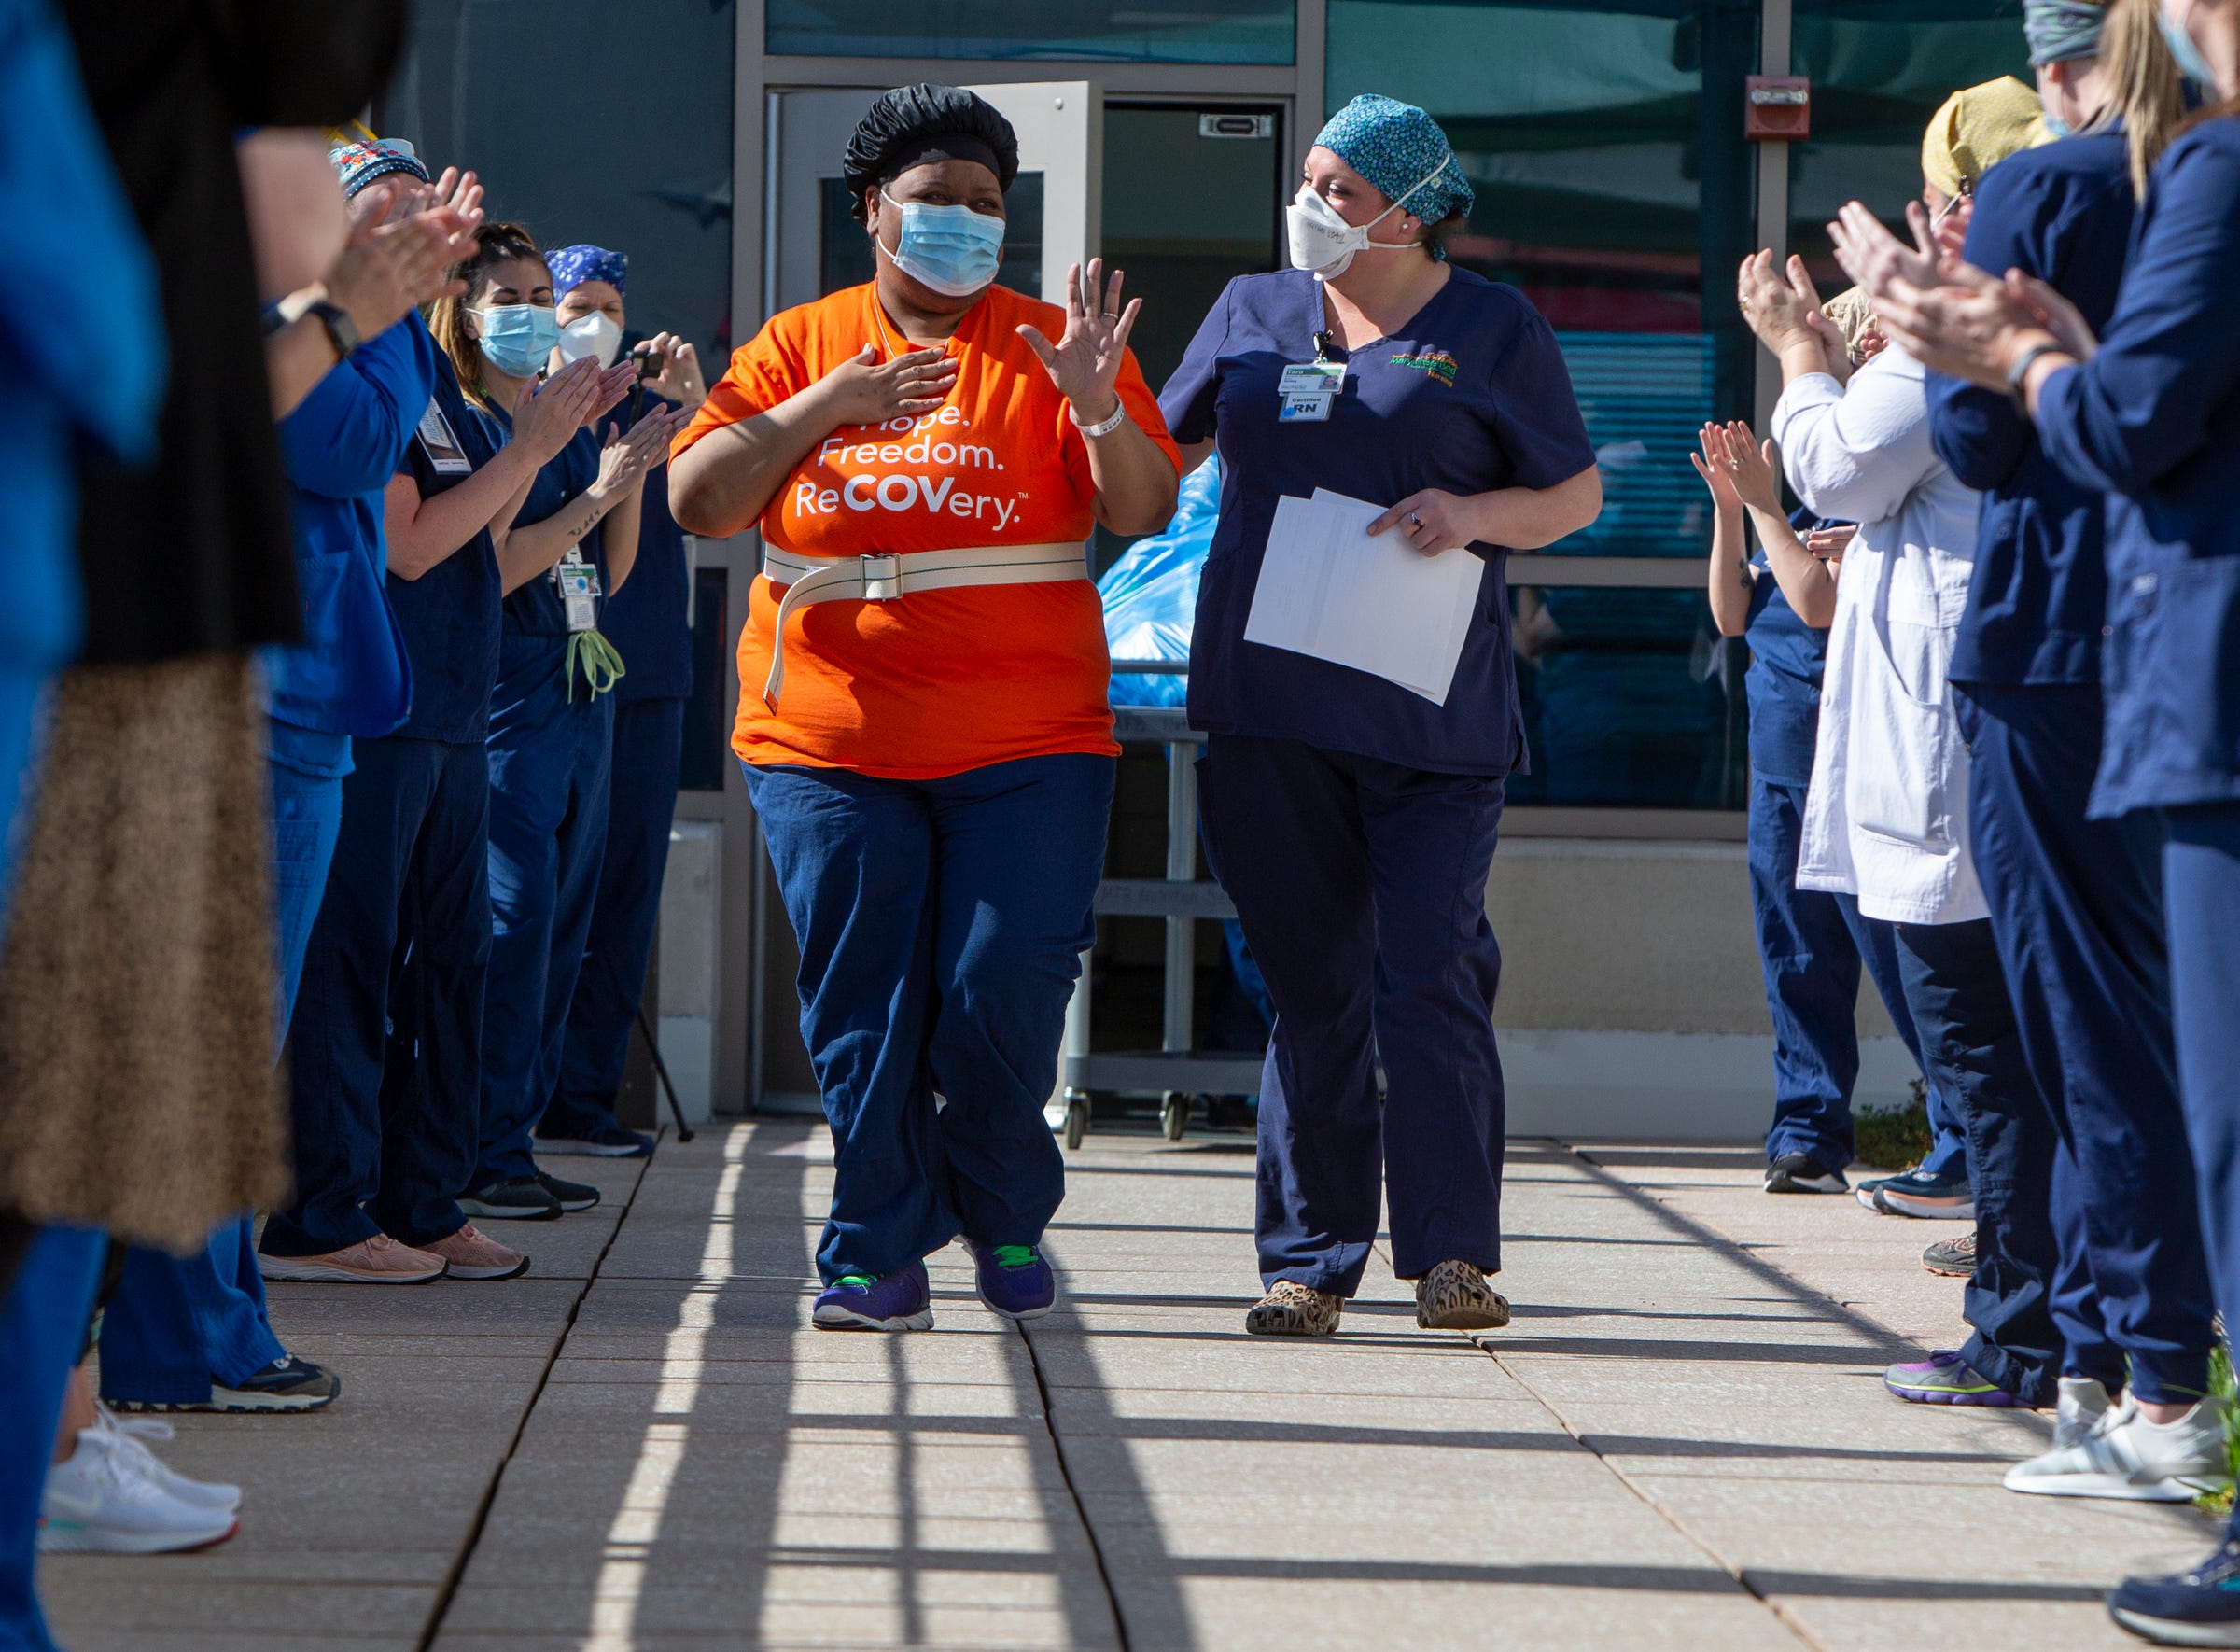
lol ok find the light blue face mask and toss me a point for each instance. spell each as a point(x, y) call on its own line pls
point(2056, 125)
point(952, 250)
point(518, 338)
point(2190, 64)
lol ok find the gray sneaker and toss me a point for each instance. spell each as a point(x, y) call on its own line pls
point(2131, 1460)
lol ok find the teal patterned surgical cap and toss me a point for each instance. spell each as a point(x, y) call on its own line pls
point(1393, 144)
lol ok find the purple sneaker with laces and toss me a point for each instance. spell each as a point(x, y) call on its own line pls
point(898, 1301)
point(1014, 1281)
point(1944, 1378)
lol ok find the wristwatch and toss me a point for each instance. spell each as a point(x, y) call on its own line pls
point(2017, 375)
point(339, 326)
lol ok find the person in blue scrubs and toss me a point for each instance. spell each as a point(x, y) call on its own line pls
point(81, 360)
point(646, 623)
point(1351, 819)
point(1811, 944)
point(2076, 903)
point(2149, 412)
point(385, 1127)
point(573, 540)
point(193, 1333)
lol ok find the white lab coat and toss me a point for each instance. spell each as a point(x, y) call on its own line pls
point(1886, 816)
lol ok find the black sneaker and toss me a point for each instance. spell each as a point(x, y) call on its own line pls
point(1801, 1172)
point(2196, 1608)
point(601, 1140)
point(523, 1201)
point(573, 1195)
point(288, 1384)
point(1954, 1258)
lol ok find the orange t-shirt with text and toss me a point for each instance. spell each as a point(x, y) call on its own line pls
point(938, 681)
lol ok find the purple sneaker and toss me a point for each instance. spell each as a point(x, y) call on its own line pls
point(1014, 1281)
point(1944, 1378)
point(898, 1301)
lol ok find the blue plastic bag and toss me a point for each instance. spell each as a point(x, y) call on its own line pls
point(1151, 593)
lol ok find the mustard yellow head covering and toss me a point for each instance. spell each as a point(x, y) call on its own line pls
point(1977, 129)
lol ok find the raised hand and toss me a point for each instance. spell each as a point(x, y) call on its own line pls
point(546, 416)
point(391, 268)
point(1972, 326)
point(680, 379)
point(1879, 260)
point(1085, 363)
point(1750, 464)
point(610, 385)
point(625, 459)
point(1715, 467)
point(2056, 314)
point(864, 390)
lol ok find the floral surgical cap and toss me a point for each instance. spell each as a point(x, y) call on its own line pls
point(572, 266)
point(1395, 145)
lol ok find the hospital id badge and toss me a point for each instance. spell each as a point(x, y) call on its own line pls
point(445, 456)
point(1307, 390)
point(579, 583)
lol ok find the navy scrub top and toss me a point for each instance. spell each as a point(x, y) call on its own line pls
point(2154, 417)
point(646, 618)
point(1471, 394)
point(450, 615)
point(2037, 597)
point(533, 650)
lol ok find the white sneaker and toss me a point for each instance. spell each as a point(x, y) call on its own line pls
point(2134, 1460)
point(129, 1433)
point(100, 1503)
point(2082, 1409)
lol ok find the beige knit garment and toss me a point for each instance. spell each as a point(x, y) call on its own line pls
point(137, 1086)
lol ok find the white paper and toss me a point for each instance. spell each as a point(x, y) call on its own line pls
point(1329, 591)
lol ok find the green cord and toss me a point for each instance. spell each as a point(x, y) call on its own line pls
point(859, 1282)
point(1014, 1256)
point(592, 653)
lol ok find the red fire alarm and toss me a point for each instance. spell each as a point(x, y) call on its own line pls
point(1778, 108)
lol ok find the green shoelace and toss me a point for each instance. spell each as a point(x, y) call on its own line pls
point(593, 656)
point(858, 1282)
point(1014, 1256)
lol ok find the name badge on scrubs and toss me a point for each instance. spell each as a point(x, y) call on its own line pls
point(579, 583)
point(1307, 390)
point(442, 447)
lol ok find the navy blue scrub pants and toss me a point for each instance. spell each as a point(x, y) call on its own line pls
point(1361, 888)
point(1974, 1050)
point(408, 883)
point(43, 1317)
point(2201, 882)
point(1811, 945)
point(176, 1323)
point(642, 792)
point(2077, 911)
point(942, 924)
point(547, 833)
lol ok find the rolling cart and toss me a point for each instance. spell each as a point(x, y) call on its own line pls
point(1174, 1073)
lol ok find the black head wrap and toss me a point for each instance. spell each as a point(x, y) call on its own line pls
point(914, 124)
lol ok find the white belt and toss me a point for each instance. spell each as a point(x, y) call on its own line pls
point(811, 580)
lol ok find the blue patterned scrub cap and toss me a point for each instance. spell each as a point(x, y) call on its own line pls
point(1393, 144)
point(571, 266)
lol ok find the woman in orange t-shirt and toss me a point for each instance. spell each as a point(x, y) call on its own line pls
point(922, 719)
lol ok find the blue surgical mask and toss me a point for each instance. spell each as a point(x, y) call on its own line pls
point(2056, 125)
point(952, 250)
point(518, 338)
point(2190, 64)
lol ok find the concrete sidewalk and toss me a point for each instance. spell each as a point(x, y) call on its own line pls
point(1682, 1440)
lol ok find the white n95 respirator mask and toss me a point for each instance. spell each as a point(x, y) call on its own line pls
point(594, 334)
point(1324, 242)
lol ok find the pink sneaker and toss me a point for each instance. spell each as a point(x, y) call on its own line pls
point(473, 1254)
point(378, 1261)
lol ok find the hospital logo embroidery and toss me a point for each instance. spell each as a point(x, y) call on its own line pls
point(1437, 363)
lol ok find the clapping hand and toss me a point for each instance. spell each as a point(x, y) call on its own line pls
point(1750, 464)
point(1782, 308)
point(1713, 466)
point(1085, 363)
point(546, 416)
point(625, 459)
point(864, 390)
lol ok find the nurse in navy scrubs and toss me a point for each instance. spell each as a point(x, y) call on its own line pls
point(1351, 820)
point(2149, 411)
